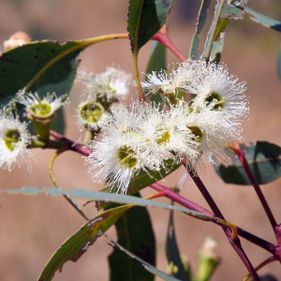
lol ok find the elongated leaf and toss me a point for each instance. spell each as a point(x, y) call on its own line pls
point(264, 159)
point(145, 18)
point(156, 62)
point(173, 253)
point(201, 20)
point(108, 197)
point(77, 244)
point(263, 19)
point(135, 232)
point(146, 265)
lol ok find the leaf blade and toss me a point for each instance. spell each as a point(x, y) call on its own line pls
point(145, 18)
point(135, 232)
point(264, 159)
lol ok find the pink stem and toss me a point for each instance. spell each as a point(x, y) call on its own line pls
point(165, 40)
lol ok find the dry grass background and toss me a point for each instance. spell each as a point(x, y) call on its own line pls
point(33, 227)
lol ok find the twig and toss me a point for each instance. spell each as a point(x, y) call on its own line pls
point(240, 154)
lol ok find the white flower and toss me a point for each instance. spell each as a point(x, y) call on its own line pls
point(40, 107)
point(158, 82)
point(14, 139)
point(175, 81)
point(217, 89)
point(116, 158)
point(212, 135)
point(91, 115)
point(166, 134)
point(110, 85)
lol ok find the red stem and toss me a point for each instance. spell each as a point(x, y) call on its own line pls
point(77, 147)
point(163, 38)
point(246, 167)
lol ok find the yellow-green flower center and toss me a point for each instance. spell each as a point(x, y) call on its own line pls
point(163, 136)
point(126, 157)
point(197, 133)
point(41, 109)
point(11, 137)
point(91, 112)
point(215, 99)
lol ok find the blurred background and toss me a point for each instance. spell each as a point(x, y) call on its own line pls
point(33, 227)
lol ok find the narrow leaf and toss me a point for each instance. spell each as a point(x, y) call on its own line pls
point(75, 246)
point(146, 265)
point(263, 19)
point(173, 253)
point(145, 18)
point(108, 197)
point(135, 232)
point(264, 159)
point(201, 20)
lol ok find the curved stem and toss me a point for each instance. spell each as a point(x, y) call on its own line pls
point(54, 181)
point(246, 167)
point(260, 266)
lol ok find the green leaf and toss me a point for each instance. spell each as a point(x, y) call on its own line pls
point(156, 62)
point(146, 265)
point(145, 18)
point(135, 232)
point(42, 66)
point(264, 159)
point(157, 59)
point(173, 253)
point(263, 19)
point(201, 20)
point(77, 244)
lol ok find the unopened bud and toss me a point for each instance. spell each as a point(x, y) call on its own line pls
point(16, 40)
point(208, 260)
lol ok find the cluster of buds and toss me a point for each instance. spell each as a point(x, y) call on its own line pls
point(205, 116)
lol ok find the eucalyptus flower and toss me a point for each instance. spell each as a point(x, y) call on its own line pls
point(110, 85)
point(90, 115)
point(40, 107)
point(14, 140)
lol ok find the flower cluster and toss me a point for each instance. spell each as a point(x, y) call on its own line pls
point(103, 89)
point(206, 116)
